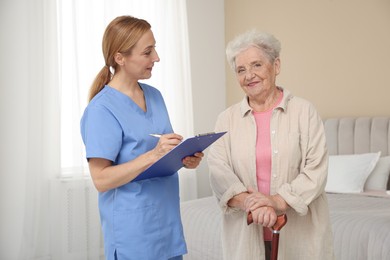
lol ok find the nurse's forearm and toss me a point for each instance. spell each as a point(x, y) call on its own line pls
point(107, 176)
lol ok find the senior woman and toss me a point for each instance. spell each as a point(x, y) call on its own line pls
point(273, 160)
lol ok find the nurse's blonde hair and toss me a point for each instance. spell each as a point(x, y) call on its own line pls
point(120, 36)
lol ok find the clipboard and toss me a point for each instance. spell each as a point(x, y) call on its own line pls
point(171, 162)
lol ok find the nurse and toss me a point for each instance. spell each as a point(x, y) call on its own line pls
point(140, 219)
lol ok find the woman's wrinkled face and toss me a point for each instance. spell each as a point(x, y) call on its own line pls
point(255, 72)
point(139, 64)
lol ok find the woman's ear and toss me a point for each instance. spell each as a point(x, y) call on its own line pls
point(277, 66)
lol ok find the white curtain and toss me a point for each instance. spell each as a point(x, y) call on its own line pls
point(47, 203)
point(30, 133)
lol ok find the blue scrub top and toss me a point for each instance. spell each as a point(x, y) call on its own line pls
point(141, 219)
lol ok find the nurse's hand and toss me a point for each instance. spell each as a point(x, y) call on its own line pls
point(166, 143)
point(191, 162)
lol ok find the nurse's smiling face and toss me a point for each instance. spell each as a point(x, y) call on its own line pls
point(255, 72)
point(139, 64)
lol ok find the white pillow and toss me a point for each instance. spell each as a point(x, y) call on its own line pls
point(378, 178)
point(348, 173)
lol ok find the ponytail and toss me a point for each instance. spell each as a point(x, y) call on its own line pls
point(100, 81)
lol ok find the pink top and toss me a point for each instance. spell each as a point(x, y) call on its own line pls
point(263, 154)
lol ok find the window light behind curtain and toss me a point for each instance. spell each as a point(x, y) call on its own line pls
point(81, 27)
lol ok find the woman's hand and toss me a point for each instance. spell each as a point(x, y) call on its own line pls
point(265, 216)
point(191, 162)
point(256, 200)
point(261, 208)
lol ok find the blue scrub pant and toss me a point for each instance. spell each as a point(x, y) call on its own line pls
point(180, 257)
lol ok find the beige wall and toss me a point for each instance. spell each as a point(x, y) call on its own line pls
point(335, 53)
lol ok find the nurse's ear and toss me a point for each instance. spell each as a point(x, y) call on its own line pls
point(119, 59)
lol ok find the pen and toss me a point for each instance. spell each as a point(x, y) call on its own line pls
point(155, 135)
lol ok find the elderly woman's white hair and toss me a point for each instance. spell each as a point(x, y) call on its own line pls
point(262, 40)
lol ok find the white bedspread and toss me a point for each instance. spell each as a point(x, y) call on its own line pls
point(202, 229)
point(361, 227)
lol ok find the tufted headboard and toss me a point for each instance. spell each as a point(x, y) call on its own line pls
point(355, 135)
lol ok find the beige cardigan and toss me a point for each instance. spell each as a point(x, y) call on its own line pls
point(299, 171)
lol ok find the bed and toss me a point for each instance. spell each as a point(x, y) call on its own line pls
point(357, 190)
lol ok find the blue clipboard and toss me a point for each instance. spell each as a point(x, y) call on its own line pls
point(172, 161)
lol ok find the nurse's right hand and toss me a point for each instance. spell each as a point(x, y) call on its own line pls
point(166, 143)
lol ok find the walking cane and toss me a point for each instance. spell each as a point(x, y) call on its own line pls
point(280, 222)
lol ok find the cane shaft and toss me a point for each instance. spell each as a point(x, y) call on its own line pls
point(274, 246)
